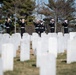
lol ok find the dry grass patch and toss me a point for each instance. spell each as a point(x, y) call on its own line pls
point(29, 67)
point(24, 68)
point(63, 68)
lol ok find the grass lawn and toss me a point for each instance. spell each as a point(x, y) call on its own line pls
point(63, 68)
point(29, 67)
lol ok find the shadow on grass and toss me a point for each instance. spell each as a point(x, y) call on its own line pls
point(34, 65)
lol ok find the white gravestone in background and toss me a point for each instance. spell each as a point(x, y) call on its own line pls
point(7, 57)
point(5, 38)
point(33, 34)
point(43, 35)
point(12, 41)
point(0, 47)
point(72, 35)
point(52, 34)
point(39, 53)
point(35, 39)
point(44, 43)
point(26, 36)
point(6, 34)
point(71, 51)
point(60, 42)
point(48, 64)
point(1, 67)
point(1, 35)
point(17, 39)
point(25, 50)
point(52, 45)
point(66, 38)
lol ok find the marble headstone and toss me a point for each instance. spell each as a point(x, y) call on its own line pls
point(1, 67)
point(25, 50)
point(48, 64)
point(71, 51)
point(52, 45)
point(7, 57)
point(60, 42)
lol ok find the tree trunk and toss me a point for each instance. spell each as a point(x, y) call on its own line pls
point(56, 21)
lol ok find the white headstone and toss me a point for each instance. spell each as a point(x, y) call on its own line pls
point(53, 45)
point(39, 53)
point(60, 34)
point(71, 51)
point(1, 67)
point(26, 36)
point(44, 43)
point(66, 38)
point(1, 36)
point(5, 38)
point(7, 57)
point(13, 41)
point(35, 39)
point(6, 35)
point(72, 35)
point(0, 47)
point(60, 42)
point(48, 64)
point(16, 40)
point(52, 34)
point(43, 35)
point(25, 50)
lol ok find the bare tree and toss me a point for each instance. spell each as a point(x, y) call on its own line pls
point(60, 9)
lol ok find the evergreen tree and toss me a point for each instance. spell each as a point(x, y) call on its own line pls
point(21, 8)
point(60, 9)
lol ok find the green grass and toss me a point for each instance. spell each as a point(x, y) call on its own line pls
point(63, 68)
point(24, 68)
point(29, 67)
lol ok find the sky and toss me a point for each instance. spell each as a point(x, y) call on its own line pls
point(46, 1)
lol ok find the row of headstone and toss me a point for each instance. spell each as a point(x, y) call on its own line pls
point(9, 47)
point(43, 48)
point(46, 47)
point(61, 43)
point(15, 39)
point(62, 40)
point(46, 60)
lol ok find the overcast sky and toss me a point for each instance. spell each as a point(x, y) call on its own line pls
point(46, 1)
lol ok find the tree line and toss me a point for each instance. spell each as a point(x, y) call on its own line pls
point(58, 9)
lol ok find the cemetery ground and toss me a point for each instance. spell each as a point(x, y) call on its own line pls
point(29, 67)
